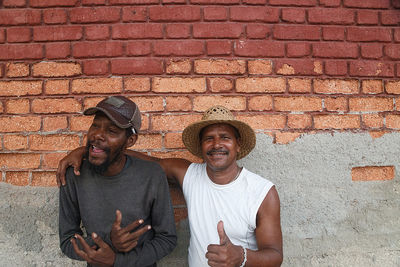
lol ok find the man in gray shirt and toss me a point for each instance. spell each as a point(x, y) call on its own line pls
point(114, 185)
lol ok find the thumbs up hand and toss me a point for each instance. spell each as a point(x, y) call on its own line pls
point(226, 253)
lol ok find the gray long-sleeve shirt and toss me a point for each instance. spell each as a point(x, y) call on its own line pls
point(139, 191)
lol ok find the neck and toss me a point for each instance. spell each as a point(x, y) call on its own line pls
point(224, 176)
point(116, 167)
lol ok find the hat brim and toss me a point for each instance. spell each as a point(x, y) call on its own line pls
point(113, 116)
point(191, 138)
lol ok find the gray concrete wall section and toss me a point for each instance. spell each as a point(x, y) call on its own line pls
point(327, 219)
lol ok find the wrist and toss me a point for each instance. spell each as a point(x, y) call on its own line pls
point(244, 257)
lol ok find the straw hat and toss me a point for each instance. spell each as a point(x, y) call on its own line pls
point(218, 114)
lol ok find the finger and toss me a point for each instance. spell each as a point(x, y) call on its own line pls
point(83, 243)
point(133, 225)
point(76, 170)
point(117, 222)
point(129, 248)
point(78, 251)
point(213, 249)
point(99, 242)
point(136, 235)
point(223, 238)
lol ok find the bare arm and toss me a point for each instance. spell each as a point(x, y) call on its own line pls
point(268, 233)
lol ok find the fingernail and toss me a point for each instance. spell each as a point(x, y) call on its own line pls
point(94, 235)
point(140, 221)
point(149, 227)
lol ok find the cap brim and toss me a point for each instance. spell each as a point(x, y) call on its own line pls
point(113, 116)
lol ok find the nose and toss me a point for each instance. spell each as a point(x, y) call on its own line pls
point(216, 143)
point(98, 134)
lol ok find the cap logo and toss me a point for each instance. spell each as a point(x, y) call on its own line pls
point(116, 102)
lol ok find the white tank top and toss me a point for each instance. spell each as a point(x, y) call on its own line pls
point(236, 204)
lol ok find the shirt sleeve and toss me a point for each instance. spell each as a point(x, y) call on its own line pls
point(69, 218)
point(163, 227)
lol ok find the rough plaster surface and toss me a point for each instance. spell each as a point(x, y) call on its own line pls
point(327, 219)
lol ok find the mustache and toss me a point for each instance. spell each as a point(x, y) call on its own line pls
point(89, 144)
point(217, 151)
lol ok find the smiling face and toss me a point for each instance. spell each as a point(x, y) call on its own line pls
point(219, 146)
point(106, 144)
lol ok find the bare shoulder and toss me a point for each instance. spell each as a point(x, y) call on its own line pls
point(175, 168)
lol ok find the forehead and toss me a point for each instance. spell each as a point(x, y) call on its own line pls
point(100, 116)
point(219, 127)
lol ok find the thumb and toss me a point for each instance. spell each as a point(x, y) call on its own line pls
point(223, 238)
point(77, 170)
point(118, 219)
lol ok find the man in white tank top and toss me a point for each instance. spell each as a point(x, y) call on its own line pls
point(234, 214)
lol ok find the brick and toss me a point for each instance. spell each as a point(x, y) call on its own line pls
point(372, 120)
point(218, 48)
point(134, 13)
point(255, 2)
point(219, 66)
point(333, 33)
point(372, 173)
point(15, 142)
point(56, 69)
point(178, 48)
point(138, 48)
point(21, 51)
point(234, 103)
point(137, 31)
point(97, 86)
point(54, 16)
point(52, 3)
point(298, 103)
point(57, 33)
point(53, 142)
point(174, 13)
point(53, 105)
point(220, 85)
point(377, 134)
point(392, 51)
point(183, 66)
point(260, 85)
point(297, 85)
point(264, 122)
point(335, 50)
point(336, 68)
point(392, 87)
point(17, 106)
point(174, 31)
point(371, 68)
point(296, 32)
point(178, 103)
point(41, 178)
point(336, 104)
point(293, 2)
point(258, 31)
point(179, 85)
point(367, 3)
point(18, 35)
point(298, 49)
point(118, 2)
point(298, 67)
point(94, 14)
point(17, 178)
point(331, 16)
point(97, 32)
point(330, 3)
point(57, 50)
point(2, 35)
point(372, 87)
point(390, 17)
point(336, 121)
point(181, 214)
point(260, 66)
point(293, 15)
point(51, 160)
point(227, 2)
point(336, 86)
point(95, 67)
point(81, 123)
point(258, 48)
point(392, 121)
point(260, 103)
point(14, 3)
point(369, 34)
point(173, 1)
point(217, 30)
point(215, 13)
point(299, 121)
point(149, 103)
point(19, 161)
point(57, 123)
point(170, 123)
point(17, 70)
point(137, 66)
point(56, 87)
point(284, 138)
point(10, 17)
point(173, 140)
point(254, 14)
point(371, 104)
point(137, 84)
point(20, 88)
point(371, 51)
point(97, 49)
point(367, 17)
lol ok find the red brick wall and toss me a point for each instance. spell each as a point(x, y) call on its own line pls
point(287, 67)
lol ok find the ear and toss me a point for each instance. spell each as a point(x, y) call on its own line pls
point(239, 142)
point(131, 140)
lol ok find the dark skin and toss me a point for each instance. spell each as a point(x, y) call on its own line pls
point(219, 150)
